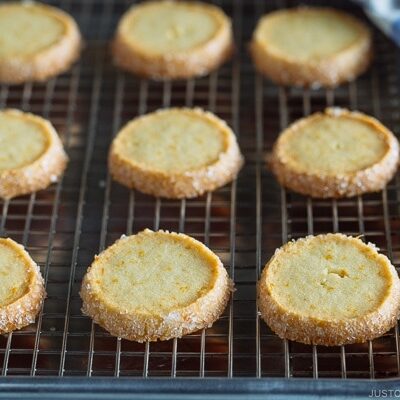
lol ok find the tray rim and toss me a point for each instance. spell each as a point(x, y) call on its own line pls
point(191, 388)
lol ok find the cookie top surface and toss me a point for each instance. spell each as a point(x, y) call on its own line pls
point(153, 272)
point(333, 143)
point(309, 34)
point(173, 140)
point(329, 277)
point(27, 29)
point(23, 139)
point(162, 27)
point(15, 272)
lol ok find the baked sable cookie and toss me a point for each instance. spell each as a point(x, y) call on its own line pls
point(172, 39)
point(37, 42)
point(337, 153)
point(311, 46)
point(155, 286)
point(31, 153)
point(329, 290)
point(21, 287)
point(175, 153)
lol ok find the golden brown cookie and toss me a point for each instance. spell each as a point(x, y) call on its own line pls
point(329, 290)
point(175, 153)
point(172, 39)
point(21, 287)
point(337, 153)
point(311, 46)
point(31, 153)
point(37, 42)
point(155, 286)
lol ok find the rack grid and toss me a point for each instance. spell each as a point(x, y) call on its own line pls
point(64, 226)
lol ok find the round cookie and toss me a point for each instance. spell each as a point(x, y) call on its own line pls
point(37, 42)
point(31, 153)
point(335, 154)
point(311, 46)
point(172, 40)
point(329, 290)
point(155, 286)
point(21, 287)
point(175, 153)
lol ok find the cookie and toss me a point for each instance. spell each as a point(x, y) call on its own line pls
point(329, 290)
point(37, 42)
point(21, 287)
point(172, 39)
point(31, 153)
point(155, 286)
point(335, 154)
point(311, 46)
point(175, 153)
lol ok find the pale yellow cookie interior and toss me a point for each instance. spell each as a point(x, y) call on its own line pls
point(172, 141)
point(22, 140)
point(329, 279)
point(153, 273)
point(332, 145)
point(165, 27)
point(26, 29)
point(307, 34)
point(15, 274)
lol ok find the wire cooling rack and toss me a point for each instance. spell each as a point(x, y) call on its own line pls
point(64, 226)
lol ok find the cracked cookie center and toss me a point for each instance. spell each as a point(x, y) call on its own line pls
point(332, 274)
point(342, 273)
point(335, 280)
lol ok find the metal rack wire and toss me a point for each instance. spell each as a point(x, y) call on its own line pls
point(65, 225)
